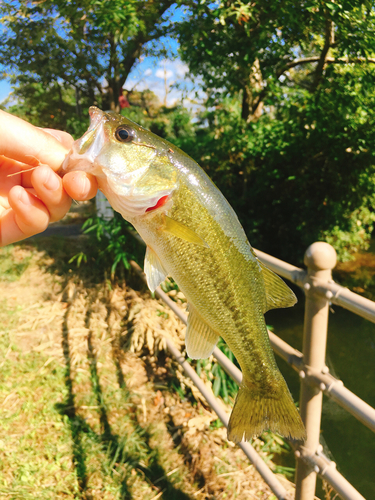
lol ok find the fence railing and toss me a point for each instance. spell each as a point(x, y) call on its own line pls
point(320, 291)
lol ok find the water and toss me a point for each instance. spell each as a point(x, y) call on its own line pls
point(351, 358)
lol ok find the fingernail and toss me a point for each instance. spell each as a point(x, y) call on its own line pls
point(85, 185)
point(52, 132)
point(81, 180)
point(52, 182)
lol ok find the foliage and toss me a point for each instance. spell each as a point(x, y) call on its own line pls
point(52, 107)
point(262, 46)
point(172, 123)
point(301, 173)
point(275, 446)
point(114, 246)
point(77, 51)
point(286, 131)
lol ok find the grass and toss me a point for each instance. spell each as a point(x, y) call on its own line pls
point(68, 428)
point(12, 265)
point(83, 417)
point(66, 436)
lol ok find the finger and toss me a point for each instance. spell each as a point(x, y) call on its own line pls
point(26, 178)
point(21, 141)
point(63, 137)
point(49, 188)
point(16, 172)
point(27, 216)
point(9, 176)
point(80, 185)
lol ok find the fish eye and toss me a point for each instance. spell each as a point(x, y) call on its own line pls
point(124, 134)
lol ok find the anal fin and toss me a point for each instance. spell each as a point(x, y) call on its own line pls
point(200, 339)
point(154, 270)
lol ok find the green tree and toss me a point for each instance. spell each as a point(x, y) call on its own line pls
point(302, 173)
point(54, 106)
point(78, 53)
point(289, 135)
point(173, 123)
point(261, 46)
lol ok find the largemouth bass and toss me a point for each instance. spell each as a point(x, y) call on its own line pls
point(193, 234)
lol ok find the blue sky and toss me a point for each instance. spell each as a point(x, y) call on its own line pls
point(4, 89)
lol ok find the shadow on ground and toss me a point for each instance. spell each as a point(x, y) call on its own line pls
point(63, 244)
point(127, 455)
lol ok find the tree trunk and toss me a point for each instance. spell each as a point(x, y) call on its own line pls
point(252, 95)
point(78, 104)
point(113, 91)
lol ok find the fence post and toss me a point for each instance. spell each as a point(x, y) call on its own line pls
point(320, 259)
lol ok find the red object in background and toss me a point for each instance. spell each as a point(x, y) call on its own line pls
point(124, 103)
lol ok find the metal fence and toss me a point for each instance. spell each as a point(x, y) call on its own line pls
point(320, 291)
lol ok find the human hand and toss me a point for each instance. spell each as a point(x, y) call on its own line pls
point(31, 194)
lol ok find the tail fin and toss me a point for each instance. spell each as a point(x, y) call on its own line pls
point(254, 413)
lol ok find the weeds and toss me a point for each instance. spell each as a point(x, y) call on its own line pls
point(111, 245)
point(12, 264)
point(222, 384)
point(329, 492)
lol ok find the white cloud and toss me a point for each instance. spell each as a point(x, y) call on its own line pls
point(164, 73)
point(181, 69)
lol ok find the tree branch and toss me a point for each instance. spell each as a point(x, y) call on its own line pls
point(322, 59)
point(328, 60)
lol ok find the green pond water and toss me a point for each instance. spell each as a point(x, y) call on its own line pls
point(351, 358)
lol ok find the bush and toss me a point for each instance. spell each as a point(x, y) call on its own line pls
point(301, 173)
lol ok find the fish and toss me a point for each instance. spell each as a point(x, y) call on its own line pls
point(193, 234)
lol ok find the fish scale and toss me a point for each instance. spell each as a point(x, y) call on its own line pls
point(194, 235)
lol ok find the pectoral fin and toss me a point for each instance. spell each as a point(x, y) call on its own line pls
point(154, 270)
point(200, 339)
point(278, 294)
point(181, 231)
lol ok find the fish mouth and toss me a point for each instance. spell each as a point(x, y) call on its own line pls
point(85, 150)
point(96, 115)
